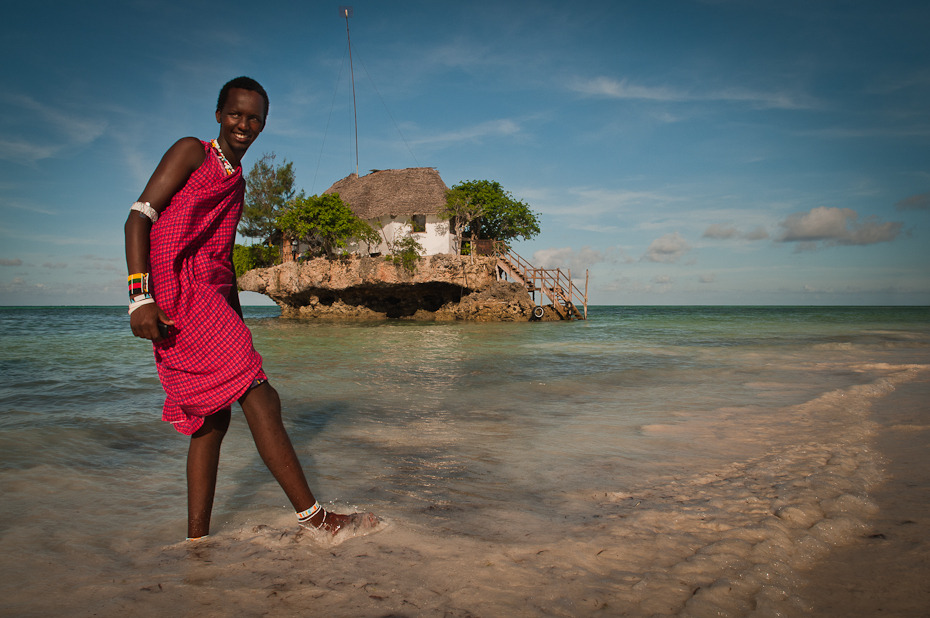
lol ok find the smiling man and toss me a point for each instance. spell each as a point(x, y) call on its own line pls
point(183, 297)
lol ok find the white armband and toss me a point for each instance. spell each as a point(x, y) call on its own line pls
point(146, 209)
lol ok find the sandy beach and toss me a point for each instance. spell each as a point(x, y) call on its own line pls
point(886, 572)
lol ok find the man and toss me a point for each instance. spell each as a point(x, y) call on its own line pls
point(179, 240)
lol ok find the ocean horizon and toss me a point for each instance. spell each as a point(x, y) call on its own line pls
point(274, 306)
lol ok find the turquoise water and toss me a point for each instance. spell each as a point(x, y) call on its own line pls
point(475, 433)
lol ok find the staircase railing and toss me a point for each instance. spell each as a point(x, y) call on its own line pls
point(558, 287)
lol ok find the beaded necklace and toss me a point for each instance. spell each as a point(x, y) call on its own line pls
point(219, 153)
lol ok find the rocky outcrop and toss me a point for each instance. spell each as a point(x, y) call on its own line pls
point(437, 287)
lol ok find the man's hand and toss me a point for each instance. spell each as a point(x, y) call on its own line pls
point(144, 321)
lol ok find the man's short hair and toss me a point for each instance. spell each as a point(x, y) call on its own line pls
point(245, 83)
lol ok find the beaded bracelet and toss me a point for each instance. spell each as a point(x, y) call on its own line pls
point(138, 285)
point(139, 292)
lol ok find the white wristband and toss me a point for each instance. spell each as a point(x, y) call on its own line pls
point(146, 209)
point(138, 303)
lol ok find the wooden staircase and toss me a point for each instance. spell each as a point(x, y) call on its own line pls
point(553, 283)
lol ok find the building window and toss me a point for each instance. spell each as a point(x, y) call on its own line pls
point(419, 223)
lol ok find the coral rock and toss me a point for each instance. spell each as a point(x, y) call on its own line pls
point(437, 287)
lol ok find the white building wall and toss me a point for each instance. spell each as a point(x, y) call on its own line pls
point(435, 240)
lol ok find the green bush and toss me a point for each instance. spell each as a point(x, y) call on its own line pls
point(247, 257)
point(407, 252)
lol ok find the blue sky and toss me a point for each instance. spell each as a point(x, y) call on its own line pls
point(718, 152)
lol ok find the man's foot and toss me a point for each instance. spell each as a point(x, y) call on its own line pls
point(334, 523)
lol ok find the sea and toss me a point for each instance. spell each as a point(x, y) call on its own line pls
point(649, 461)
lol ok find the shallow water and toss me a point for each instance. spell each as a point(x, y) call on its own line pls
point(653, 461)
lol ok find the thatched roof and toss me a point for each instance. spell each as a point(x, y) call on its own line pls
point(406, 192)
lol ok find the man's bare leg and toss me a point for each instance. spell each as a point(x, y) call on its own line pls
point(262, 409)
point(203, 458)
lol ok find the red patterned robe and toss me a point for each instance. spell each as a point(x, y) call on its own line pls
point(207, 362)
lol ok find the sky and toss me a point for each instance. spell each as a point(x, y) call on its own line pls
point(682, 153)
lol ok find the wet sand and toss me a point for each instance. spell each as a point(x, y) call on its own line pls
point(678, 548)
point(886, 572)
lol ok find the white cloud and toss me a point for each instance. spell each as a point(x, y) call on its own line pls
point(8, 262)
point(662, 280)
point(868, 132)
point(68, 130)
point(628, 286)
point(27, 207)
point(23, 291)
point(667, 249)
point(21, 151)
point(758, 233)
point(568, 258)
point(711, 278)
point(77, 126)
point(768, 100)
point(821, 223)
point(835, 226)
point(492, 128)
point(96, 258)
point(19, 285)
point(915, 202)
point(622, 89)
point(90, 263)
point(719, 231)
point(612, 88)
point(590, 202)
point(460, 53)
point(58, 240)
point(597, 228)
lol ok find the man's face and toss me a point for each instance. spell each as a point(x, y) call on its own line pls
point(241, 119)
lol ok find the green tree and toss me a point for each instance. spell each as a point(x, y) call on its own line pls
point(462, 208)
point(497, 215)
point(269, 188)
point(325, 222)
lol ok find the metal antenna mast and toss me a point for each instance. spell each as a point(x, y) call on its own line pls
point(346, 11)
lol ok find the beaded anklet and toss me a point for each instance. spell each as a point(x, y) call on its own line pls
point(304, 517)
